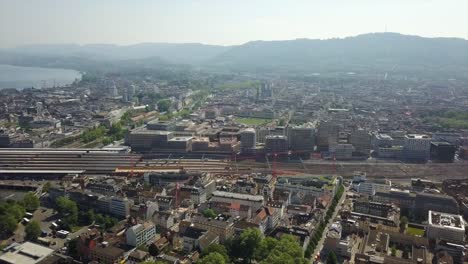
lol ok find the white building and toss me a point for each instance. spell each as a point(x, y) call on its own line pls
point(445, 226)
point(359, 176)
point(141, 234)
point(373, 187)
point(120, 207)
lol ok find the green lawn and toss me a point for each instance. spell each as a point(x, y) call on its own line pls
point(253, 121)
point(76, 229)
point(239, 85)
point(414, 231)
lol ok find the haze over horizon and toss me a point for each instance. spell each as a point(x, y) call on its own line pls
point(26, 22)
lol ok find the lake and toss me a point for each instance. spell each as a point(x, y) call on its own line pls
point(27, 77)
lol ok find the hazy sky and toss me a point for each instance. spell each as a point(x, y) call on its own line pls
point(221, 21)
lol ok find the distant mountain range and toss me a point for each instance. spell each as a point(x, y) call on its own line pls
point(387, 51)
point(189, 53)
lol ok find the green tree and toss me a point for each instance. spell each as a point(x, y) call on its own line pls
point(46, 187)
point(152, 262)
point(73, 249)
point(403, 223)
point(105, 222)
point(393, 250)
point(405, 254)
point(153, 250)
point(16, 210)
point(126, 118)
point(213, 258)
point(164, 105)
point(209, 213)
point(278, 257)
point(218, 248)
point(31, 202)
point(109, 222)
point(286, 251)
point(331, 258)
point(281, 122)
point(66, 206)
point(8, 224)
point(289, 245)
point(249, 241)
point(143, 248)
point(233, 247)
point(32, 231)
point(11, 213)
point(265, 248)
point(86, 218)
point(68, 211)
point(107, 140)
point(184, 113)
point(99, 219)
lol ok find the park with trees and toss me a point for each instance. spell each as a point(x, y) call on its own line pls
point(11, 212)
point(71, 215)
point(252, 247)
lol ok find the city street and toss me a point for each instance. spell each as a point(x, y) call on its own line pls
point(319, 247)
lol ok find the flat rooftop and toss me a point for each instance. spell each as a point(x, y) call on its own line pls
point(384, 136)
point(238, 196)
point(152, 132)
point(26, 253)
point(441, 143)
point(275, 137)
point(446, 220)
point(418, 136)
point(181, 139)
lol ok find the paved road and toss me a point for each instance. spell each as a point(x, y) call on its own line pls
point(322, 240)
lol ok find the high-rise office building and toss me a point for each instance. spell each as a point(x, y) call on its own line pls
point(131, 91)
point(248, 140)
point(361, 141)
point(114, 91)
point(276, 144)
point(302, 138)
point(416, 147)
point(327, 135)
point(442, 151)
point(39, 108)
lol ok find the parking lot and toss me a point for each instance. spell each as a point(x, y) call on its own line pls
point(45, 217)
